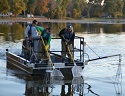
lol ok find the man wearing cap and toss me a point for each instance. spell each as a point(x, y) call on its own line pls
point(67, 35)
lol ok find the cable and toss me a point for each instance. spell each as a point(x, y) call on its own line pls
point(93, 51)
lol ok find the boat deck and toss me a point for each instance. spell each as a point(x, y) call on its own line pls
point(19, 63)
point(38, 68)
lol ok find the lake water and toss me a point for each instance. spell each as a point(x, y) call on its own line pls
point(104, 77)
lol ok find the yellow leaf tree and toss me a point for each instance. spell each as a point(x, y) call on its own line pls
point(43, 6)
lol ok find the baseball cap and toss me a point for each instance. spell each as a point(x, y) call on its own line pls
point(69, 27)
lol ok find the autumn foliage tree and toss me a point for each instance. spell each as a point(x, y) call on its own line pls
point(114, 8)
point(31, 5)
point(43, 6)
point(77, 8)
point(4, 6)
point(61, 9)
point(17, 6)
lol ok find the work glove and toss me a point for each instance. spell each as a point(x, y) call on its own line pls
point(47, 47)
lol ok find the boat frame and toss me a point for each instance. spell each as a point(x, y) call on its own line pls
point(18, 63)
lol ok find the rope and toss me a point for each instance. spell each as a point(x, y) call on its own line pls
point(93, 51)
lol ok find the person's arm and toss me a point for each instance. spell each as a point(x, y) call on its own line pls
point(49, 40)
point(39, 29)
point(73, 37)
point(26, 31)
point(61, 34)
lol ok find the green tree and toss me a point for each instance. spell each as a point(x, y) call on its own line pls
point(61, 9)
point(4, 6)
point(17, 6)
point(97, 11)
point(114, 8)
point(77, 8)
point(25, 4)
point(31, 5)
point(94, 8)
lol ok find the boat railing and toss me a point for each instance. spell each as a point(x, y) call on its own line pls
point(56, 49)
point(78, 47)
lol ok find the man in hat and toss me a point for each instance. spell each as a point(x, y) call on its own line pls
point(67, 35)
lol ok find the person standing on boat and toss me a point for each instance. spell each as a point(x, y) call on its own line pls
point(67, 35)
point(31, 30)
point(44, 43)
point(31, 33)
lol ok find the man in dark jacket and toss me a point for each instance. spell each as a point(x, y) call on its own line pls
point(67, 35)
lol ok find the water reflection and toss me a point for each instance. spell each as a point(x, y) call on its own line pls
point(43, 86)
point(49, 85)
point(12, 31)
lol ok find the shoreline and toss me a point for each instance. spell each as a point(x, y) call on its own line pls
point(108, 21)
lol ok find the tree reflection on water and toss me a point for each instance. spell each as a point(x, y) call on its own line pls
point(47, 85)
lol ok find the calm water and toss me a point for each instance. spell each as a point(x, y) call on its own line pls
point(99, 77)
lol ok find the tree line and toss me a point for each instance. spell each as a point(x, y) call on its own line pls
point(60, 9)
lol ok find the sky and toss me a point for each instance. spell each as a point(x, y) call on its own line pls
point(102, 3)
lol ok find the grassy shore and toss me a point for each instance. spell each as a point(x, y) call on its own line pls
point(84, 20)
